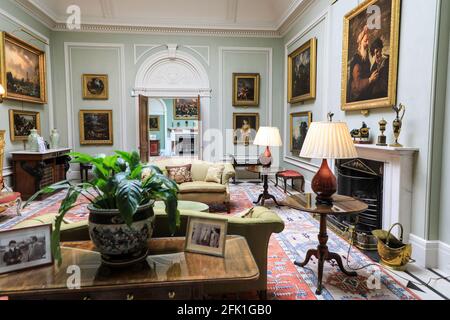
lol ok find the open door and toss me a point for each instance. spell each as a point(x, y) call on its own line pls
point(143, 129)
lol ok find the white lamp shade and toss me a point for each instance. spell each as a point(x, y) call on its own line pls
point(268, 137)
point(2, 90)
point(328, 140)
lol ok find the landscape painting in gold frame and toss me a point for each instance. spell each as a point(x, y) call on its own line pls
point(370, 56)
point(96, 127)
point(302, 67)
point(23, 70)
point(21, 122)
point(299, 126)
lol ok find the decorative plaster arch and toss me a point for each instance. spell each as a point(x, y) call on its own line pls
point(173, 74)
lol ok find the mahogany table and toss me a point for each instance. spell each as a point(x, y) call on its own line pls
point(265, 173)
point(342, 205)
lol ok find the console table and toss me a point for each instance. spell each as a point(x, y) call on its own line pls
point(36, 170)
point(168, 273)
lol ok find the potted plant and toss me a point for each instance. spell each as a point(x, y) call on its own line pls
point(121, 197)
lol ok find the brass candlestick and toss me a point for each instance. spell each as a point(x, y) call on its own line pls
point(398, 123)
point(382, 138)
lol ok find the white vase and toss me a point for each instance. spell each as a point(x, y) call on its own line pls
point(54, 139)
point(33, 141)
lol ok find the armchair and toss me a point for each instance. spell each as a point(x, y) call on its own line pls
point(8, 198)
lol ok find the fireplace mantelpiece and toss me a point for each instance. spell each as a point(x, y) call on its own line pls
point(397, 183)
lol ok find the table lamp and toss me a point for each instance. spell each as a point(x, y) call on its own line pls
point(267, 137)
point(327, 140)
point(2, 93)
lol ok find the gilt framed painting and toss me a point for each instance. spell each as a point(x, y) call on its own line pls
point(299, 125)
point(246, 89)
point(21, 123)
point(95, 87)
point(186, 109)
point(153, 123)
point(370, 55)
point(245, 127)
point(302, 67)
point(96, 127)
point(23, 70)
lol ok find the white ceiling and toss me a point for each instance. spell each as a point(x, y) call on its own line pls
point(268, 15)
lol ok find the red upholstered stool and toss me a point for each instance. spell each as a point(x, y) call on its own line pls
point(9, 199)
point(290, 175)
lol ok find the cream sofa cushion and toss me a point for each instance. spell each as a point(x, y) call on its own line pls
point(215, 173)
point(202, 187)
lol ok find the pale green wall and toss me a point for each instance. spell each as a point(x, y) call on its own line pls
point(12, 19)
point(415, 90)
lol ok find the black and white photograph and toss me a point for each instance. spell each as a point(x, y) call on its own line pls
point(25, 248)
point(206, 236)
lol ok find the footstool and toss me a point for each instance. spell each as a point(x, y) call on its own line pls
point(290, 175)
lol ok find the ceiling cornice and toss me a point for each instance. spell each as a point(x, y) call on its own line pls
point(48, 18)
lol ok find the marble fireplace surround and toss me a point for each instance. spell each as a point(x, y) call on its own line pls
point(397, 182)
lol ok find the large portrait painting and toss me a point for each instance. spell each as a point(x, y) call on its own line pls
point(246, 89)
point(186, 109)
point(96, 127)
point(299, 125)
point(370, 55)
point(21, 123)
point(22, 70)
point(302, 73)
point(245, 126)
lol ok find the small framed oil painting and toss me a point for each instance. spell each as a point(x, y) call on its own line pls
point(186, 109)
point(96, 127)
point(23, 70)
point(299, 125)
point(25, 248)
point(246, 89)
point(370, 56)
point(153, 123)
point(245, 126)
point(206, 236)
point(21, 123)
point(302, 68)
point(95, 87)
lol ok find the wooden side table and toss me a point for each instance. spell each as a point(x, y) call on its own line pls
point(265, 173)
point(342, 205)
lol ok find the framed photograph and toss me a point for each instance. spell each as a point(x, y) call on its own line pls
point(299, 125)
point(25, 248)
point(207, 236)
point(153, 123)
point(245, 126)
point(23, 70)
point(95, 87)
point(302, 67)
point(96, 127)
point(21, 123)
point(370, 57)
point(186, 109)
point(246, 89)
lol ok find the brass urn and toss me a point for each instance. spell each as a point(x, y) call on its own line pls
point(398, 123)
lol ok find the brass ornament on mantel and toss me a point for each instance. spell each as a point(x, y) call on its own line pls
point(398, 123)
point(382, 138)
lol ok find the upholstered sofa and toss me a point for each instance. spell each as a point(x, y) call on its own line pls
point(199, 190)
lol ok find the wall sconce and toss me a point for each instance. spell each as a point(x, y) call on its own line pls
point(2, 93)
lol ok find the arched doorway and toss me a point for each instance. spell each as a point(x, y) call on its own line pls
point(174, 74)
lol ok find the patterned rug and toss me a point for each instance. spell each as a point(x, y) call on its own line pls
point(286, 281)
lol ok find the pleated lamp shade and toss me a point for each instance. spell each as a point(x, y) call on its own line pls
point(268, 137)
point(328, 140)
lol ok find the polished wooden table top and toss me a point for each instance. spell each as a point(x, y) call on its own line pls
point(264, 170)
point(167, 265)
point(341, 204)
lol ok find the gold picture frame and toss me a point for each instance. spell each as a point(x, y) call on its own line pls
point(249, 126)
point(21, 131)
point(95, 87)
point(298, 90)
point(382, 93)
point(150, 124)
point(206, 236)
point(246, 87)
point(292, 143)
point(92, 124)
point(186, 109)
point(26, 59)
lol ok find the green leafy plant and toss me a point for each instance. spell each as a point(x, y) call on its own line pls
point(118, 183)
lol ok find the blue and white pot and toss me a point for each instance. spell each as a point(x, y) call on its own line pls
point(119, 244)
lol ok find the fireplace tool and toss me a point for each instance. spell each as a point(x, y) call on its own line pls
point(393, 252)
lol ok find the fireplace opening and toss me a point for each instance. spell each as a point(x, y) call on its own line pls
point(361, 179)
